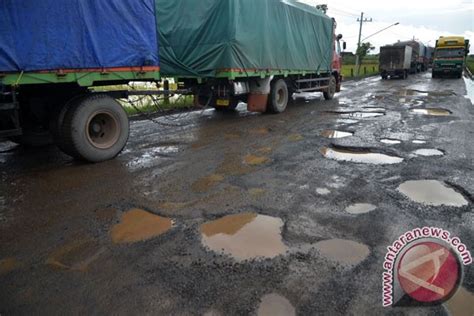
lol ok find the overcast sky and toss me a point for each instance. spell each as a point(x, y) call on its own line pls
point(424, 20)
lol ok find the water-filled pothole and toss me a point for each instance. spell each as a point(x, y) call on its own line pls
point(360, 208)
point(432, 192)
point(245, 236)
point(425, 152)
point(335, 134)
point(138, 225)
point(419, 141)
point(357, 114)
point(432, 112)
point(359, 156)
point(461, 303)
point(346, 252)
point(390, 141)
point(275, 305)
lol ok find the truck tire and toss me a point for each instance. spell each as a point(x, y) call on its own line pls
point(95, 128)
point(278, 100)
point(331, 90)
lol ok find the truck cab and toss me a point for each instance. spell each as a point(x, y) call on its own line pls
point(450, 56)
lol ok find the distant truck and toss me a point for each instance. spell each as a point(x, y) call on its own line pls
point(395, 61)
point(450, 56)
point(420, 55)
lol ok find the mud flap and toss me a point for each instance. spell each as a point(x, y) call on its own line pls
point(258, 97)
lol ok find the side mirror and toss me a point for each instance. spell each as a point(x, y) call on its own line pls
point(344, 45)
point(339, 37)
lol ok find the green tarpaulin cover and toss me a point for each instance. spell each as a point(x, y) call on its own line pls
point(200, 37)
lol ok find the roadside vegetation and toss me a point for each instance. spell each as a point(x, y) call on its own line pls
point(137, 105)
point(369, 66)
point(470, 63)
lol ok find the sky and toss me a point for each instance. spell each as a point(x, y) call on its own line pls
point(424, 20)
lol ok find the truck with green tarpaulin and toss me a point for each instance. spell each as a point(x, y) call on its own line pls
point(53, 54)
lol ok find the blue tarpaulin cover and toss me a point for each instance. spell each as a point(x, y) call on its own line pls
point(77, 34)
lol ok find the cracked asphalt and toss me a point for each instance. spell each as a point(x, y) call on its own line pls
point(76, 238)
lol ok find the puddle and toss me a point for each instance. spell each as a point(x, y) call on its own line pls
point(374, 109)
point(358, 114)
point(412, 93)
point(432, 192)
point(390, 141)
point(8, 265)
point(77, 255)
point(360, 208)
point(343, 251)
point(253, 160)
point(295, 137)
point(428, 152)
point(245, 236)
point(151, 157)
point(335, 134)
point(418, 141)
point(432, 112)
point(275, 305)
point(359, 156)
point(323, 191)
point(138, 225)
point(204, 184)
point(461, 304)
point(347, 121)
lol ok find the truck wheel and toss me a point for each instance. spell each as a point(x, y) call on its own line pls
point(278, 100)
point(331, 90)
point(95, 129)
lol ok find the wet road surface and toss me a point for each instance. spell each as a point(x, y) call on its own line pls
point(240, 213)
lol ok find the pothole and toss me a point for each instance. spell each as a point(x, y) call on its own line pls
point(432, 192)
point(419, 141)
point(390, 141)
point(432, 112)
point(139, 225)
point(374, 109)
point(244, 236)
point(360, 208)
point(275, 305)
point(358, 114)
point(362, 156)
point(346, 252)
point(428, 152)
point(205, 183)
point(335, 134)
point(461, 303)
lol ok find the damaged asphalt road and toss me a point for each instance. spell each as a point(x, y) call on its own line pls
point(240, 213)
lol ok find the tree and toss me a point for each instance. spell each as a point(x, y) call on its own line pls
point(363, 50)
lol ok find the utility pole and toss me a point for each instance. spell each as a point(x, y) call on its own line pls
point(361, 20)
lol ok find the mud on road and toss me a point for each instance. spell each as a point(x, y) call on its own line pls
point(240, 213)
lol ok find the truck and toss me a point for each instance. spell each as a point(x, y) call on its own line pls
point(395, 61)
point(55, 54)
point(259, 52)
point(450, 56)
point(420, 55)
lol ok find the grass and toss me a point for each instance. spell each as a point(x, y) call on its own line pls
point(470, 63)
point(149, 104)
point(349, 71)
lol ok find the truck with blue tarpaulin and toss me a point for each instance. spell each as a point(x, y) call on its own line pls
point(53, 53)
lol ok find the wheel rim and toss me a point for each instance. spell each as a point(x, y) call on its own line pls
point(103, 129)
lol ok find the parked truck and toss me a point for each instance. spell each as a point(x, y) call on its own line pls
point(395, 61)
point(450, 56)
point(420, 55)
point(53, 55)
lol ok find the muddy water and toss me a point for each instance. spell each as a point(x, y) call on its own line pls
point(390, 141)
point(206, 183)
point(244, 236)
point(360, 208)
point(346, 252)
point(138, 225)
point(335, 134)
point(432, 112)
point(253, 160)
point(77, 255)
point(461, 304)
point(432, 192)
point(275, 305)
point(359, 156)
point(428, 152)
